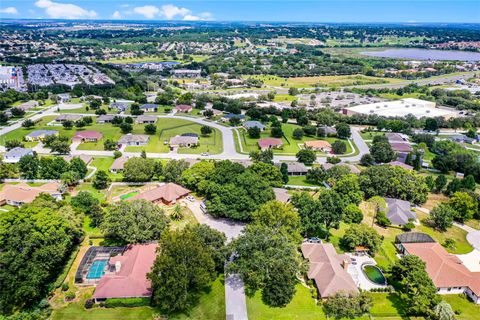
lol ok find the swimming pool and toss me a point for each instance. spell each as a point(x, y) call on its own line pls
point(374, 274)
point(97, 269)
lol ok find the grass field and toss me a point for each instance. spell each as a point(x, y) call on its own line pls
point(331, 81)
point(467, 310)
point(290, 145)
point(300, 181)
point(167, 128)
point(302, 307)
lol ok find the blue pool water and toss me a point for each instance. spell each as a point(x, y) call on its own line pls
point(97, 269)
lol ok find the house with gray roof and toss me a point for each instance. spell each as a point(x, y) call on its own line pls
point(294, 168)
point(105, 118)
point(146, 119)
point(38, 135)
point(134, 139)
point(399, 211)
point(252, 124)
point(149, 107)
point(119, 106)
point(14, 155)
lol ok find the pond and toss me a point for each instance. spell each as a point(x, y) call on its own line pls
point(374, 274)
point(425, 54)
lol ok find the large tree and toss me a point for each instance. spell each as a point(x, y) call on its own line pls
point(416, 287)
point(138, 169)
point(268, 172)
point(35, 242)
point(362, 235)
point(197, 173)
point(137, 221)
point(442, 216)
point(267, 260)
point(185, 266)
point(382, 152)
point(173, 170)
point(464, 206)
point(394, 182)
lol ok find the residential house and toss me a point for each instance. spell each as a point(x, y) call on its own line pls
point(326, 131)
point(294, 168)
point(461, 138)
point(353, 169)
point(39, 135)
point(395, 137)
point(227, 117)
point(168, 194)
point(183, 108)
point(118, 164)
point(183, 141)
point(85, 158)
point(28, 105)
point(254, 124)
point(319, 145)
point(126, 274)
point(68, 117)
point(149, 107)
point(281, 195)
point(14, 155)
point(119, 106)
point(146, 119)
point(399, 212)
point(328, 269)
point(106, 118)
point(87, 136)
point(400, 164)
point(19, 194)
point(63, 97)
point(448, 272)
point(186, 73)
point(401, 147)
point(269, 143)
point(133, 139)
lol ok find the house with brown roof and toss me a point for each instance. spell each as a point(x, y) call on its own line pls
point(117, 165)
point(397, 163)
point(87, 136)
point(19, 194)
point(281, 195)
point(269, 143)
point(446, 270)
point(401, 147)
point(126, 274)
point(353, 169)
point(319, 145)
point(328, 269)
point(183, 108)
point(168, 193)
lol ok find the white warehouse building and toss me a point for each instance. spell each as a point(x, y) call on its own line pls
point(401, 108)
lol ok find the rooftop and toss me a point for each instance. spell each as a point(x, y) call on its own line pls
point(169, 192)
point(131, 279)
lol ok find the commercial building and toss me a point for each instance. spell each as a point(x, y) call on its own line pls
point(401, 108)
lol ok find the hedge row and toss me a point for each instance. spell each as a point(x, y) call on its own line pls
point(127, 302)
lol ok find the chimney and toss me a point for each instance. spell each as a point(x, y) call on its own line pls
point(345, 264)
point(118, 266)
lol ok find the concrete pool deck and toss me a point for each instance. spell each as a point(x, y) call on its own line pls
point(358, 276)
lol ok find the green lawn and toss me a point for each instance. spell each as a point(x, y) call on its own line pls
point(290, 145)
point(300, 181)
point(167, 128)
point(467, 309)
point(104, 163)
point(332, 81)
point(302, 307)
point(370, 135)
point(211, 306)
point(386, 305)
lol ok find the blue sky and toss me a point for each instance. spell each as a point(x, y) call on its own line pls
point(249, 10)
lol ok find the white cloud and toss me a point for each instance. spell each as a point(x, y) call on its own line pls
point(201, 16)
point(147, 11)
point(64, 10)
point(9, 10)
point(170, 11)
point(124, 5)
point(117, 15)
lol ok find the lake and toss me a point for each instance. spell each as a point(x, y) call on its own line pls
point(425, 54)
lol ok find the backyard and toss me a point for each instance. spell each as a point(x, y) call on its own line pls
point(290, 145)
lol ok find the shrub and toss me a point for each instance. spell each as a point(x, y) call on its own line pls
point(408, 226)
point(334, 160)
point(127, 302)
point(89, 303)
point(70, 296)
point(65, 286)
point(382, 219)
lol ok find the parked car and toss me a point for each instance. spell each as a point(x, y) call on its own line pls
point(314, 240)
point(190, 198)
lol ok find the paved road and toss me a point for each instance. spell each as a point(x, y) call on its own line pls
point(228, 135)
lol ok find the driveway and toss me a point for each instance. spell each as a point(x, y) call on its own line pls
point(232, 229)
point(235, 301)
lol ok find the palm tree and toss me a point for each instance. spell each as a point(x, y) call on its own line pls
point(177, 212)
